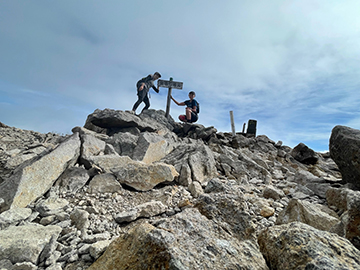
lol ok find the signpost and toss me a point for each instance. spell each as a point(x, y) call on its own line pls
point(169, 84)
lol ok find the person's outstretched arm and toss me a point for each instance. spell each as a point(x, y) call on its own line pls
point(177, 103)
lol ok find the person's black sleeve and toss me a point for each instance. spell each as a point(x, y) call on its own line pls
point(155, 89)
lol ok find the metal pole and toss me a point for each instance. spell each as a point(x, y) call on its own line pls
point(168, 101)
point(232, 123)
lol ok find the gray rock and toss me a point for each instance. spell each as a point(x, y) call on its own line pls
point(352, 227)
point(90, 239)
point(157, 120)
point(198, 157)
point(13, 217)
point(51, 206)
point(124, 143)
point(273, 193)
point(151, 147)
point(144, 177)
point(227, 209)
point(56, 266)
point(5, 264)
point(48, 250)
point(214, 185)
point(116, 119)
point(80, 218)
point(73, 179)
point(308, 213)
point(195, 189)
point(187, 240)
point(85, 249)
point(300, 246)
point(98, 248)
point(33, 239)
point(24, 266)
point(47, 220)
point(31, 181)
point(104, 183)
point(304, 154)
point(147, 210)
point(345, 151)
point(110, 163)
point(185, 175)
point(91, 146)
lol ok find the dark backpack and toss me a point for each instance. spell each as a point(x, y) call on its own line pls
point(143, 80)
point(197, 107)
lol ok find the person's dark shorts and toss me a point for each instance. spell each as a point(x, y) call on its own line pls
point(193, 119)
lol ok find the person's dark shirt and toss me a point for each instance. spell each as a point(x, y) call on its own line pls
point(191, 104)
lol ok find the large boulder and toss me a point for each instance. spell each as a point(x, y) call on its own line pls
point(135, 174)
point(151, 147)
point(144, 177)
point(25, 243)
point(304, 154)
point(229, 209)
point(347, 202)
point(300, 246)
point(187, 240)
point(194, 162)
point(104, 183)
point(308, 213)
point(116, 120)
point(345, 151)
point(31, 181)
point(352, 228)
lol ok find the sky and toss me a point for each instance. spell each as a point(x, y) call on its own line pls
point(293, 66)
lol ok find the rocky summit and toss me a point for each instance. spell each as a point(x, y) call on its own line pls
point(145, 192)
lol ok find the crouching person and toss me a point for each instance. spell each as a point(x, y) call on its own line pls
point(191, 110)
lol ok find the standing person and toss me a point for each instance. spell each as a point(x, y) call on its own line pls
point(191, 110)
point(143, 87)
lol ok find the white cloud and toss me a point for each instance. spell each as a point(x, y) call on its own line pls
point(290, 65)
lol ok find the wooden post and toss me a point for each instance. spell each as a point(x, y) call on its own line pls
point(244, 125)
point(168, 101)
point(232, 123)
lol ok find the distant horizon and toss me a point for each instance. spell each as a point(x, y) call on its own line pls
point(292, 66)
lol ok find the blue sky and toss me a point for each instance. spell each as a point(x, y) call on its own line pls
point(291, 65)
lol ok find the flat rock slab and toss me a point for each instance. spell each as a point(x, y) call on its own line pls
point(31, 181)
point(116, 119)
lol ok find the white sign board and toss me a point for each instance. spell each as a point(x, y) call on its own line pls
point(170, 84)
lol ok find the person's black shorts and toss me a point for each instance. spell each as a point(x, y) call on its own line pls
point(194, 117)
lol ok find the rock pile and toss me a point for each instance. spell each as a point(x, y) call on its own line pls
point(146, 192)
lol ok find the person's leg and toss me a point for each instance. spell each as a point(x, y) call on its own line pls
point(140, 99)
point(188, 114)
point(147, 103)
